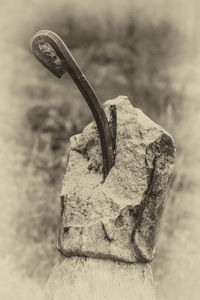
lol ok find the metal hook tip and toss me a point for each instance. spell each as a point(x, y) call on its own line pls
point(44, 49)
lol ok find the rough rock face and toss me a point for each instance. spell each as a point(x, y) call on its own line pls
point(116, 219)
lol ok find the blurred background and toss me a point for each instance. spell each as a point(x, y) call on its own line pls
point(145, 49)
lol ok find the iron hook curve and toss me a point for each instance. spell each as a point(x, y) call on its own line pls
point(53, 53)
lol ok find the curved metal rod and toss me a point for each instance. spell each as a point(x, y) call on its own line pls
point(52, 52)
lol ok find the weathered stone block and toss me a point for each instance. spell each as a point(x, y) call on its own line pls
point(116, 219)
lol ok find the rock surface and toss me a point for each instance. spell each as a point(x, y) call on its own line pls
point(117, 219)
point(78, 278)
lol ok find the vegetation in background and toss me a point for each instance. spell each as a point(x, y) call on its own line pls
point(131, 57)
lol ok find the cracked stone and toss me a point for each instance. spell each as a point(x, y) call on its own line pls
point(119, 218)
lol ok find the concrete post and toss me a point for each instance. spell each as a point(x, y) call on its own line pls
point(108, 229)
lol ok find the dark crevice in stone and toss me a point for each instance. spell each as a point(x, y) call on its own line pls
point(106, 234)
point(62, 199)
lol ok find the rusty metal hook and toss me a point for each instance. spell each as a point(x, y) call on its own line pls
point(52, 52)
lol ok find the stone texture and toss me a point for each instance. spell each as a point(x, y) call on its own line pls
point(117, 219)
point(78, 278)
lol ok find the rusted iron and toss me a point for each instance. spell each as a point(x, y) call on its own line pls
point(52, 52)
point(113, 126)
